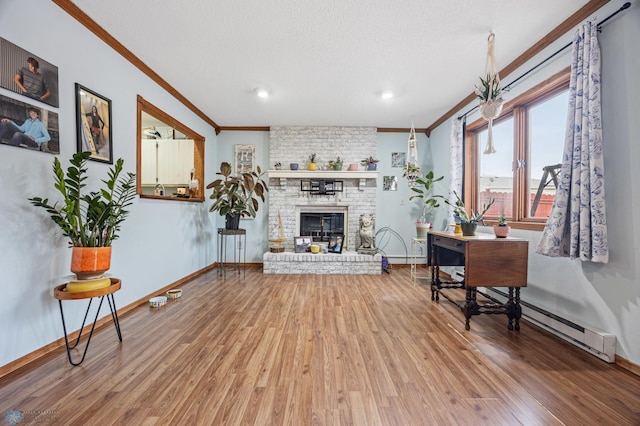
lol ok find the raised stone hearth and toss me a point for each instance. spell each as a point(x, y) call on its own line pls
point(348, 262)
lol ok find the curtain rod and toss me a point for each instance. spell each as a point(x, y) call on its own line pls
point(553, 55)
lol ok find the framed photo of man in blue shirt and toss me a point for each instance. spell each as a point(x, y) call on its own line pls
point(27, 126)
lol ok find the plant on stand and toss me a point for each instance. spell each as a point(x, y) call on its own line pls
point(237, 196)
point(468, 222)
point(91, 221)
point(423, 189)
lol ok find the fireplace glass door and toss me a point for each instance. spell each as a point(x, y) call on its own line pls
point(320, 226)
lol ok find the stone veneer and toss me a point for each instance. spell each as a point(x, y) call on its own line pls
point(307, 263)
point(294, 145)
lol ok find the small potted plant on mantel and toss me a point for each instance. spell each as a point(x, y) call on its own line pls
point(423, 189)
point(370, 163)
point(90, 220)
point(337, 165)
point(502, 228)
point(237, 196)
point(468, 222)
point(312, 162)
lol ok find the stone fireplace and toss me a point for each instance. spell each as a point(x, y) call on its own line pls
point(286, 197)
point(326, 213)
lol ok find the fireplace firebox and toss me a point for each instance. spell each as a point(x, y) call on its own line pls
point(321, 225)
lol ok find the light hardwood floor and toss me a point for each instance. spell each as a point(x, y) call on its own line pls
point(320, 350)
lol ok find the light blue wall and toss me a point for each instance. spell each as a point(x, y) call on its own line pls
point(257, 229)
point(606, 297)
point(161, 241)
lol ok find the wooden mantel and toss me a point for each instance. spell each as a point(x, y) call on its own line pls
point(283, 175)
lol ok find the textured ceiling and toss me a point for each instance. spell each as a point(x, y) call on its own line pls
point(325, 62)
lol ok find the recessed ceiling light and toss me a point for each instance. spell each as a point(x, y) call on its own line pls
point(261, 92)
point(386, 94)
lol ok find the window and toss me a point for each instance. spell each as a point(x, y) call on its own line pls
point(529, 140)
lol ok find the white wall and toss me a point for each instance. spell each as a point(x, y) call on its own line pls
point(161, 241)
point(603, 296)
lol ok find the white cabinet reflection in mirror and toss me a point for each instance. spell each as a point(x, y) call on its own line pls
point(167, 161)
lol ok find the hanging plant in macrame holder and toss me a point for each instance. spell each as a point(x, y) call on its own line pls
point(490, 94)
point(411, 170)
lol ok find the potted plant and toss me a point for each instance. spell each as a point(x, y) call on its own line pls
point(468, 222)
point(490, 94)
point(91, 221)
point(237, 196)
point(502, 228)
point(312, 162)
point(338, 164)
point(370, 163)
point(411, 172)
point(278, 165)
point(423, 189)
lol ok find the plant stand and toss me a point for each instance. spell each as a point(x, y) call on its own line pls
point(418, 250)
point(60, 294)
point(239, 239)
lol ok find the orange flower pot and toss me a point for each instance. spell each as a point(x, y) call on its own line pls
point(89, 263)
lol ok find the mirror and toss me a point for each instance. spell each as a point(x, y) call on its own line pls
point(170, 157)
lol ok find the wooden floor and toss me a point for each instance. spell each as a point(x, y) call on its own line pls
point(321, 350)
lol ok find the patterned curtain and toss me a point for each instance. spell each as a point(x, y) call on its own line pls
point(455, 169)
point(577, 226)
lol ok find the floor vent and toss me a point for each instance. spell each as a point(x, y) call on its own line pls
point(596, 342)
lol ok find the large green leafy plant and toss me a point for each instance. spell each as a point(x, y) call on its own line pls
point(237, 194)
point(423, 189)
point(92, 219)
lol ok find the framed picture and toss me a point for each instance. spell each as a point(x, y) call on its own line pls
point(27, 74)
point(302, 244)
point(335, 243)
point(244, 156)
point(390, 183)
point(398, 159)
point(93, 124)
point(28, 126)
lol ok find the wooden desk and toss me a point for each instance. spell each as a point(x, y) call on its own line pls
point(488, 262)
point(60, 294)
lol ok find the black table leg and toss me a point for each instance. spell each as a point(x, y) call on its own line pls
point(114, 316)
point(470, 307)
point(514, 310)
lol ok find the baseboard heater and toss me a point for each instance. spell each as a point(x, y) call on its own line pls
point(596, 342)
